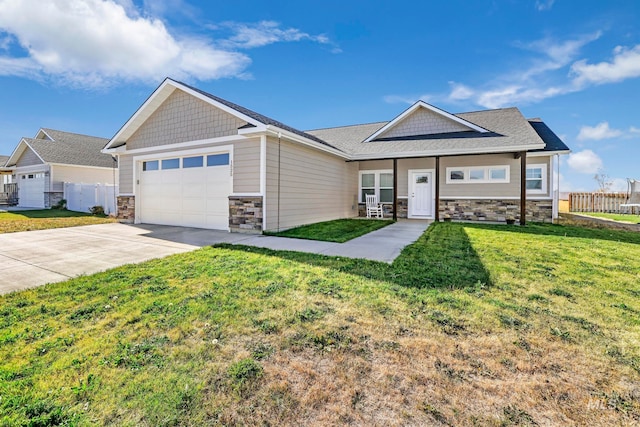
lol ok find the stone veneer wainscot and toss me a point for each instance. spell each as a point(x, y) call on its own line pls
point(496, 210)
point(245, 214)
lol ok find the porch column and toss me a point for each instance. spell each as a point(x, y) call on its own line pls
point(395, 189)
point(437, 184)
point(523, 187)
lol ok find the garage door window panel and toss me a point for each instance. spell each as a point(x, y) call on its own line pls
point(192, 162)
point(170, 164)
point(218, 159)
point(152, 165)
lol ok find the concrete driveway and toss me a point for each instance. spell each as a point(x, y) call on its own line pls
point(34, 258)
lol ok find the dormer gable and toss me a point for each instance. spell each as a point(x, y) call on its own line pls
point(424, 119)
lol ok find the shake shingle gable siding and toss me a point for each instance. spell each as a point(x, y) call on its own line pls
point(257, 116)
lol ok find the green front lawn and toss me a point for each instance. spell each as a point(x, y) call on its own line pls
point(473, 324)
point(46, 218)
point(340, 230)
point(634, 219)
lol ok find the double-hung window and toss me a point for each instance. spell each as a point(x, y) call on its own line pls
point(536, 179)
point(378, 182)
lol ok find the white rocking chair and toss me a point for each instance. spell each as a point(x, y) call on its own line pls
point(373, 207)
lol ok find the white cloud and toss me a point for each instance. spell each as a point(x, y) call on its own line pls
point(460, 92)
point(263, 33)
point(634, 130)
point(542, 5)
point(618, 184)
point(94, 43)
point(585, 161)
point(598, 132)
point(624, 65)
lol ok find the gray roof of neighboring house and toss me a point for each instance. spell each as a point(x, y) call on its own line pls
point(554, 143)
point(3, 160)
point(71, 149)
point(256, 116)
point(508, 129)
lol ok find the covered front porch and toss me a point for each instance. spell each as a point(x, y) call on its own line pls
point(494, 187)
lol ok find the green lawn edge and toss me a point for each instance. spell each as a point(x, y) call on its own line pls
point(338, 231)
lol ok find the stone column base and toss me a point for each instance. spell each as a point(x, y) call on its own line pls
point(126, 212)
point(245, 214)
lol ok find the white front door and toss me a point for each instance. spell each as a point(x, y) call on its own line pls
point(420, 194)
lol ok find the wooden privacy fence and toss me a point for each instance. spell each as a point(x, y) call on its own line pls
point(597, 202)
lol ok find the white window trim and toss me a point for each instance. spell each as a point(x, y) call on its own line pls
point(542, 166)
point(376, 187)
point(487, 180)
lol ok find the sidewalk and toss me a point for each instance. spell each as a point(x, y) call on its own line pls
point(383, 245)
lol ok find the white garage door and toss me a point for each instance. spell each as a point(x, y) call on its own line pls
point(31, 190)
point(190, 191)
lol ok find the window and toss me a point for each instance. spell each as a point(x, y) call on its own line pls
point(379, 183)
point(478, 174)
point(170, 164)
point(192, 162)
point(218, 159)
point(150, 166)
point(536, 179)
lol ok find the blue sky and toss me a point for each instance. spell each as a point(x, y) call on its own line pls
point(86, 65)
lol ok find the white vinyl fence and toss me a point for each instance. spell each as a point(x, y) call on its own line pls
point(82, 197)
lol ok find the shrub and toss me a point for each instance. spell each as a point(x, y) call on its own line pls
point(97, 210)
point(61, 205)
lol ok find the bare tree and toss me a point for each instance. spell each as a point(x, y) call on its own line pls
point(604, 181)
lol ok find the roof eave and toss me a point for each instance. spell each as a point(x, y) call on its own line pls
point(444, 153)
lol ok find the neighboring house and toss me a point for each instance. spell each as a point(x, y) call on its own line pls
point(5, 175)
point(190, 158)
point(41, 165)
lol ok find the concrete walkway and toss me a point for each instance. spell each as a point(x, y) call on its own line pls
point(34, 258)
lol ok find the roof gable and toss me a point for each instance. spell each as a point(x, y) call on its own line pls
point(424, 119)
point(162, 93)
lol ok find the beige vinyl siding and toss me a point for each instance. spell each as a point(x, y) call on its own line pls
point(484, 190)
point(246, 166)
point(314, 186)
point(84, 175)
point(28, 158)
point(125, 170)
point(403, 169)
point(181, 118)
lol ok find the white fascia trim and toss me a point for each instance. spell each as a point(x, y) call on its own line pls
point(547, 153)
point(384, 156)
point(126, 194)
point(422, 104)
point(245, 195)
point(44, 132)
point(114, 151)
point(21, 143)
point(32, 168)
point(185, 145)
point(276, 131)
point(81, 166)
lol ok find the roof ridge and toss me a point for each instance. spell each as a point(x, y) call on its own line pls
point(346, 126)
point(71, 133)
point(489, 109)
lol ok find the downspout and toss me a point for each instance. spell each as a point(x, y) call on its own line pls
point(556, 192)
point(263, 178)
point(115, 198)
point(279, 163)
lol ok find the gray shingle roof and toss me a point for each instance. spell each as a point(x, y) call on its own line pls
point(508, 129)
point(554, 143)
point(71, 149)
point(3, 160)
